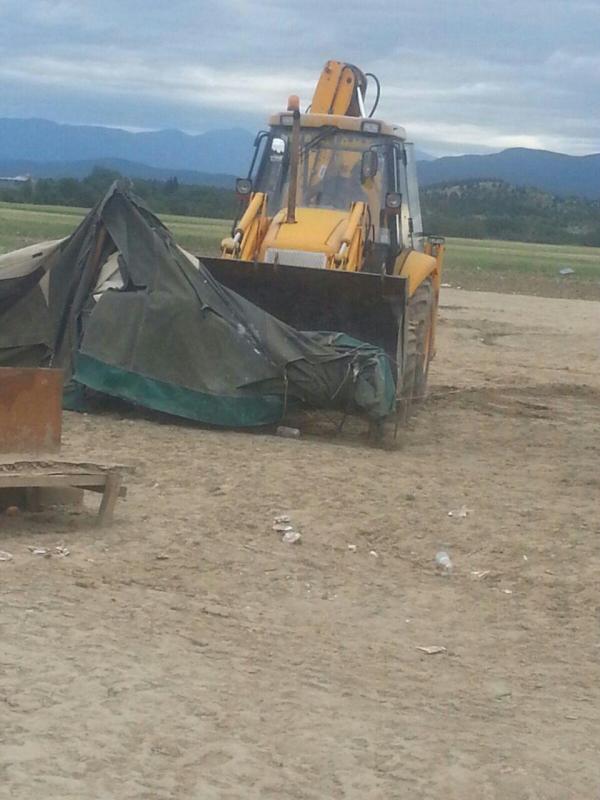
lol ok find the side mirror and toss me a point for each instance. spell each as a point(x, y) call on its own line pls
point(393, 202)
point(243, 186)
point(369, 165)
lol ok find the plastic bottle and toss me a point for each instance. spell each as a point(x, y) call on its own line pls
point(442, 559)
point(288, 433)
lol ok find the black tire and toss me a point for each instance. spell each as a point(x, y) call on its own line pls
point(413, 382)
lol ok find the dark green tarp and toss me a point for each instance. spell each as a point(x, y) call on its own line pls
point(170, 337)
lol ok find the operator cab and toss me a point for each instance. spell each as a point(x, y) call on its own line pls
point(344, 160)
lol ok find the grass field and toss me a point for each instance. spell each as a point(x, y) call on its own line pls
point(474, 264)
point(21, 225)
point(547, 259)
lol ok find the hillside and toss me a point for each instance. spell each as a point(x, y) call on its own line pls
point(42, 141)
point(131, 169)
point(557, 173)
point(497, 210)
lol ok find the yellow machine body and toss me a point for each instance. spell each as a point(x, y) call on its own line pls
point(335, 191)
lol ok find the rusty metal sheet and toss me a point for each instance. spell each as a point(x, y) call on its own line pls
point(30, 410)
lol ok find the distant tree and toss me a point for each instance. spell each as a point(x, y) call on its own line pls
point(171, 185)
point(494, 209)
point(471, 209)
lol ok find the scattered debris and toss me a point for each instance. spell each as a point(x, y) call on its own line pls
point(507, 591)
point(442, 559)
point(501, 690)
point(432, 650)
point(480, 574)
point(374, 553)
point(39, 551)
point(282, 527)
point(566, 271)
point(85, 584)
point(59, 551)
point(162, 557)
point(215, 610)
point(12, 511)
point(462, 512)
point(288, 433)
point(282, 524)
point(446, 285)
point(4, 556)
point(352, 548)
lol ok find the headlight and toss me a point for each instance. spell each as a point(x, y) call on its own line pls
point(393, 201)
point(370, 127)
point(243, 186)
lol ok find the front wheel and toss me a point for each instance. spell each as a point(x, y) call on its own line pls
point(412, 381)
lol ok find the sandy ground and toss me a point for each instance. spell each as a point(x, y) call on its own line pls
point(185, 652)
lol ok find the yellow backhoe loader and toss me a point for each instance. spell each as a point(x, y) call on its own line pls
point(331, 238)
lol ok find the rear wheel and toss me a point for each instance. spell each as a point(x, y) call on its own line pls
point(412, 383)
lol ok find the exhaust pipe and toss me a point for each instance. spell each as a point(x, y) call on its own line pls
point(294, 105)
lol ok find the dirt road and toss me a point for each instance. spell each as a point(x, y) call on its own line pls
point(186, 652)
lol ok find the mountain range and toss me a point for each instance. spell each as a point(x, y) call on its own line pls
point(48, 149)
point(557, 173)
point(39, 140)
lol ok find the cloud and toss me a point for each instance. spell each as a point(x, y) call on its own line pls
point(461, 76)
point(51, 13)
point(125, 74)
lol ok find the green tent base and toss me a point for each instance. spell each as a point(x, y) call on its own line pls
point(74, 397)
point(221, 410)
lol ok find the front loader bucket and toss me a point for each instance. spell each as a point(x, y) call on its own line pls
point(363, 305)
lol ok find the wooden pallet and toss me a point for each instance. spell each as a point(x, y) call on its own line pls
point(34, 475)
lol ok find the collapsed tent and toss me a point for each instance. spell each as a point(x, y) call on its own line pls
point(124, 311)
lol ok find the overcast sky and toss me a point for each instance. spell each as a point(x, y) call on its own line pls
point(461, 76)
